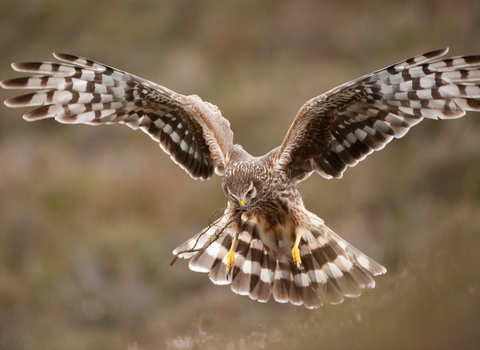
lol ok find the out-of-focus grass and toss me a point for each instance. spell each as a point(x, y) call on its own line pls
point(89, 216)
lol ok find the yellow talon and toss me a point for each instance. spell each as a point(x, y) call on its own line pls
point(231, 254)
point(296, 252)
point(296, 256)
point(230, 261)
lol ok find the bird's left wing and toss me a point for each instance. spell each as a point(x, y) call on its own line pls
point(191, 131)
point(341, 127)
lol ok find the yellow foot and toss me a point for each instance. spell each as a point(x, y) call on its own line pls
point(231, 254)
point(230, 261)
point(296, 256)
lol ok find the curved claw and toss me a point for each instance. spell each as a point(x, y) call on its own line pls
point(231, 254)
point(296, 256)
point(230, 261)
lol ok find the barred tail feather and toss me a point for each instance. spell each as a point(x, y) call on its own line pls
point(332, 268)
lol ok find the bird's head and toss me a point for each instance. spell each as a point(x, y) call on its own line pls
point(242, 186)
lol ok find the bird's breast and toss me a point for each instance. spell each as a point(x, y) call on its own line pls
point(275, 227)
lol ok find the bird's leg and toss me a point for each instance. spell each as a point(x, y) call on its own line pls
point(237, 228)
point(231, 254)
point(296, 251)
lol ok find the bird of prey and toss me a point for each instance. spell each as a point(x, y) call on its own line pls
point(266, 243)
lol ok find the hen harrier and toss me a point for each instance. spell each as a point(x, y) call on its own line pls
point(266, 243)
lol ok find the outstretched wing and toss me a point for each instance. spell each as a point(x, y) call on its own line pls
point(344, 125)
point(191, 131)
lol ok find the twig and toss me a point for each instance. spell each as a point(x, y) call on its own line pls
point(210, 239)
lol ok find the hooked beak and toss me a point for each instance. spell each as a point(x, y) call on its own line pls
point(242, 203)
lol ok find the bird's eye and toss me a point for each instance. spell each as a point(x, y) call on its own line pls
point(249, 193)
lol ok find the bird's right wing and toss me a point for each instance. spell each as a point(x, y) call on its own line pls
point(191, 131)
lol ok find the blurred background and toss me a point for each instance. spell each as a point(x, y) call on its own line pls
point(89, 215)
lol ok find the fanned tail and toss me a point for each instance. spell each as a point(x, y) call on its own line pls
point(332, 268)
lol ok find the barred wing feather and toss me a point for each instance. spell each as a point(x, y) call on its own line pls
point(191, 131)
point(338, 129)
